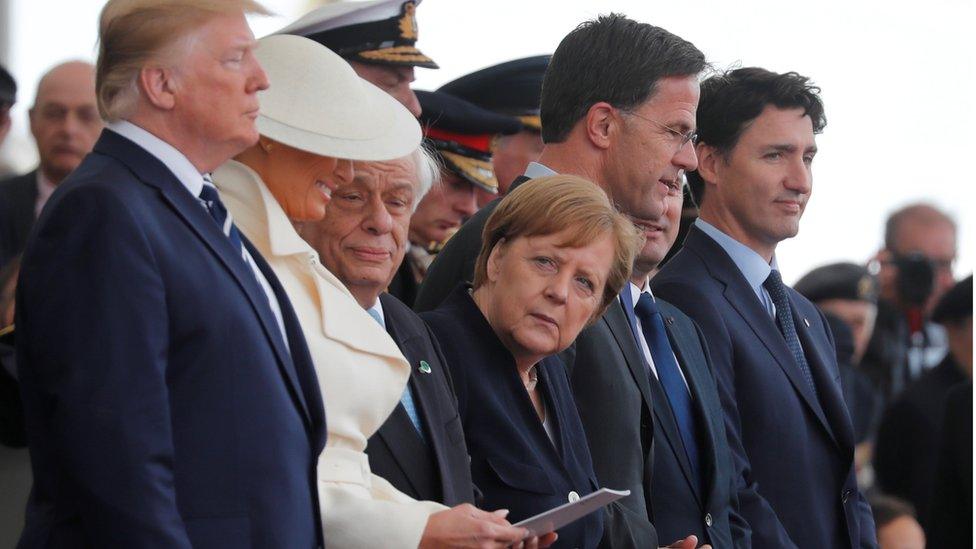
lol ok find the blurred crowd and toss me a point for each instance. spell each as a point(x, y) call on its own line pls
point(372, 316)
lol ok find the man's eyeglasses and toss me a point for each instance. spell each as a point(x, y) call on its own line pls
point(684, 137)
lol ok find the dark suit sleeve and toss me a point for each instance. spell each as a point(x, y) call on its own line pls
point(767, 531)
point(93, 368)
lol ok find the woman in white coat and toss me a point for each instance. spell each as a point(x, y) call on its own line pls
point(317, 117)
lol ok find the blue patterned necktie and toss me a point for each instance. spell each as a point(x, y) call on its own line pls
point(784, 319)
point(407, 397)
point(220, 214)
point(652, 324)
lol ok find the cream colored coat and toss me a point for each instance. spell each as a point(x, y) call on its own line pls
point(361, 373)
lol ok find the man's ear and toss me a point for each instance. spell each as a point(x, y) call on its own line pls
point(158, 85)
point(710, 161)
point(601, 121)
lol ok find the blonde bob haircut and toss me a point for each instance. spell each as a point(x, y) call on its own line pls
point(133, 33)
point(548, 205)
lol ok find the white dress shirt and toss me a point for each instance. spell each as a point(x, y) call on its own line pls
point(187, 174)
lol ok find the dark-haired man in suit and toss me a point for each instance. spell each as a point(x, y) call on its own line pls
point(771, 351)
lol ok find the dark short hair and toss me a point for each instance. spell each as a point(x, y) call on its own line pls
point(732, 100)
point(612, 59)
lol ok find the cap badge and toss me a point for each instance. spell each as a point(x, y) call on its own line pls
point(408, 22)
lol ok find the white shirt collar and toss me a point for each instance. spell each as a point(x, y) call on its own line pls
point(635, 292)
point(169, 155)
point(537, 169)
point(44, 191)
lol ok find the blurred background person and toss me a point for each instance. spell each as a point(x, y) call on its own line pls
point(304, 154)
point(914, 270)
point(950, 521)
point(847, 294)
point(462, 136)
point(512, 88)
point(538, 282)
point(896, 524)
point(906, 454)
point(65, 124)
point(8, 96)
point(377, 38)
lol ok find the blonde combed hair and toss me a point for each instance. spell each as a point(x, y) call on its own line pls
point(132, 33)
point(549, 205)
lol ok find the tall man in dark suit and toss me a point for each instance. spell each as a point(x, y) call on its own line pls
point(771, 351)
point(694, 486)
point(65, 124)
point(169, 395)
point(623, 121)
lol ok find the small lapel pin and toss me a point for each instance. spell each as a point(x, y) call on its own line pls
point(807, 322)
point(670, 320)
point(424, 367)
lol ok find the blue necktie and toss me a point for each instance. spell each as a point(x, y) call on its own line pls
point(407, 398)
point(652, 324)
point(784, 318)
point(220, 214)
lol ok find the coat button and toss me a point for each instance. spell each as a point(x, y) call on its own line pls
point(573, 497)
point(846, 495)
point(708, 520)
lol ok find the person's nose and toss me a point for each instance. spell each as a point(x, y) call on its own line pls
point(686, 159)
point(466, 202)
point(377, 219)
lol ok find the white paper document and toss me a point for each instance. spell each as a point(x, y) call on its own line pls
point(557, 517)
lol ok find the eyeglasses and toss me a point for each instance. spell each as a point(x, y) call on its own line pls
point(684, 137)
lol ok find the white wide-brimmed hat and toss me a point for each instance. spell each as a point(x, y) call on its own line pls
point(317, 103)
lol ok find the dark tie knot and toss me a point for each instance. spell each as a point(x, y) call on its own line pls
point(209, 194)
point(774, 282)
point(646, 306)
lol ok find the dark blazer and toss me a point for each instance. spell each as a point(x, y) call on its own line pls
point(680, 507)
point(513, 462)
point(796, 454)
point(613, 397)
point(163, 407)
point(434, 468)
point(18, 196)
point(404, 286)
point(910, 430)
point(455, 263)
point(951, 509)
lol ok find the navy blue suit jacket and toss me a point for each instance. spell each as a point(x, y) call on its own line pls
point(163, 406)
point(681, 507)
point(796, 454)
point(513, 462)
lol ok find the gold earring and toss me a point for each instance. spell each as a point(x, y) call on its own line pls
point(266, 145)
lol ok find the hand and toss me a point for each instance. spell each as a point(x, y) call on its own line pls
point(468, 526)
point(690, 542)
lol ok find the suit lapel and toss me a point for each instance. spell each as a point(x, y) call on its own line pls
point(743, 300)
point(831, 398)
point(154, 173)
point(682, 343)
point(655, 397)
point(623, 332)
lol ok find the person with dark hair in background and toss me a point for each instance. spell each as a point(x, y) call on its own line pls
point(914, 271)
point(624, 122)
point(950, 521)
point(65, 124)
point(896, 524)
point(511, 88)
point(908, 438)
point(772, 352)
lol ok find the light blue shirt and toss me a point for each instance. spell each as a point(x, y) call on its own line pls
point(536, 169)
point(376, 311)
point(752, 266)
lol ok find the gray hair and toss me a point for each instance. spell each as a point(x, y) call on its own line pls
point(428, 171)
